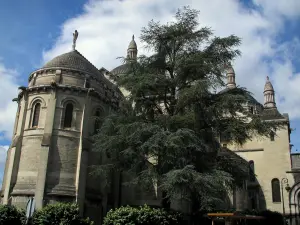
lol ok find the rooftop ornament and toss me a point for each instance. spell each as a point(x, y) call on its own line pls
point(75, 36)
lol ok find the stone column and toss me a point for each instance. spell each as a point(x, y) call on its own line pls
point(44, 153)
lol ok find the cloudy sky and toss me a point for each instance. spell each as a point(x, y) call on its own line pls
point(32, 32)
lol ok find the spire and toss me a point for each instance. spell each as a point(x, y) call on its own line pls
point(230, 75)
point(132, 49)
point(269, 95)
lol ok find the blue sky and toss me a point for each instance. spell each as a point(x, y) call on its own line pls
point(37, 30)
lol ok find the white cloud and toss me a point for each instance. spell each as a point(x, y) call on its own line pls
point(284, 8)
point(8, 91)
point(3, 152)
point(105, 29)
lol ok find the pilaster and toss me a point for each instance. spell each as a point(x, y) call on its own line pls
point(15, 148)
point(82, 160)
point(44, 152)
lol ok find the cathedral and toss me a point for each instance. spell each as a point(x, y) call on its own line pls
point(50, 155)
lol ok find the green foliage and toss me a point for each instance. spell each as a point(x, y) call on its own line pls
point(11, 215)
point(167, 130)
point(59, 214)
point(144, 215)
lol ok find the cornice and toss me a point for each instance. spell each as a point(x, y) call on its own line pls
point(113, 101)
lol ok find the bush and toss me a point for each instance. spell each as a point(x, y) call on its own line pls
point(143, 215)
point(60, 214)
point(11, 215)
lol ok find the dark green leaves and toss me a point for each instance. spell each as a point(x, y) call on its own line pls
point(167, 132)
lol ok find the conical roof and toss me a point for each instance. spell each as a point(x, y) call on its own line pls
point(230, 70)
point(268, 85)
point(132, 44)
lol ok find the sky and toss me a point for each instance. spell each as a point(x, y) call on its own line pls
point(35, 31)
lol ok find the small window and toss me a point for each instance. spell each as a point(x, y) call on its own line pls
point(276, 190)
point(36, 115)
point(68, 116)
point(251, 171)
point(251, 110)
point(97, 122)
point(272, 136)
point(87, 83)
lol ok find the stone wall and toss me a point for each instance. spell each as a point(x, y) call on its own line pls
point(271, 160)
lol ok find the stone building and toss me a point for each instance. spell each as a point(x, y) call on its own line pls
point(269, 158)
point(50, 154)
point(49, 157)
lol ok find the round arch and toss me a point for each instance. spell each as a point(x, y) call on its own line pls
point(294, 195)
point(36, 100)
point(67, 100)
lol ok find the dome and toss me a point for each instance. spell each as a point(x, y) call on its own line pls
point(250, 98)
point(72, 60)
point(131, 56)
point(122, 69)
point(132, 44)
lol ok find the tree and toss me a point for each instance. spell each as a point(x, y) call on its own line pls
point(168, 128)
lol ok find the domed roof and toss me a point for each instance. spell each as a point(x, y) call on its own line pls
point(122, 69)
point(72, 60)
point(249, 97)
point(268, 85)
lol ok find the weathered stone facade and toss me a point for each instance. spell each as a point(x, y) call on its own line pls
point(50, 155)
point(48, 158)
point(269, 158)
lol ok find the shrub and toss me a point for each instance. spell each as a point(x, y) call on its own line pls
point(11, 215)
point(144, 215)
point(59, 214)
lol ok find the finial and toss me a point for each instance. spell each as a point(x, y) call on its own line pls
point(75, 36)
point(267, 77)
point(132, 37)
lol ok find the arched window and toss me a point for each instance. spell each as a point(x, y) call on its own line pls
point(276, 190)
point(272, 135)
point(36, 115)
point(251, 171)
point(97, 122)
point(68, 116)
